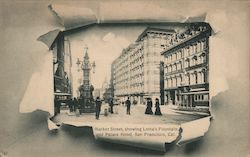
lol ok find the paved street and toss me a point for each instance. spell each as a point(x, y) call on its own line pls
point(137, 116)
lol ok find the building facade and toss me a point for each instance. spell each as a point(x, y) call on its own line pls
point(136, 72)
point(62, 68)
point(186, 68)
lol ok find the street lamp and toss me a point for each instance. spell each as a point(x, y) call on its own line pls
point(82, 65)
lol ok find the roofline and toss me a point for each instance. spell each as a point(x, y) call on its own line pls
point(171, 31)
point(209, 30)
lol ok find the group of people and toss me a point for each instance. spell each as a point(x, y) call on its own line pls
point(150, 105)
point(98, 103)
point(73, 104)
point(148, 108)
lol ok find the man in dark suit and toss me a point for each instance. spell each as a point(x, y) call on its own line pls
point(98, 104)
point(128, 104)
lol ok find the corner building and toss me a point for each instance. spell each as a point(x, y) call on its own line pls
point(136, 72)
point(186, 68)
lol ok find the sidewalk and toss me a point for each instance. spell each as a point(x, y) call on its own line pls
point(176, 109)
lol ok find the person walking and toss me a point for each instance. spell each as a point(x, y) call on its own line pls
point(149, 107)
point(74, 104)
point(128, 104)
point(157, 107)
point(111, 105)
point(98, 104)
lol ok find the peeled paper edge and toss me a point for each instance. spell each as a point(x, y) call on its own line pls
point(188, 132)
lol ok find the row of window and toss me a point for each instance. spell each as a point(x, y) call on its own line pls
point(186, 51)
point(187, 63)
point(201, 97)
point(188, 79)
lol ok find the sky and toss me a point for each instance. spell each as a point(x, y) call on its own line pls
point(104, 44)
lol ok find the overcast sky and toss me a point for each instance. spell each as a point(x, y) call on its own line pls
point(104, 46)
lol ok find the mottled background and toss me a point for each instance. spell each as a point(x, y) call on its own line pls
point(21, 22)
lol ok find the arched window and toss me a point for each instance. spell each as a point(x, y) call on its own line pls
point(174, 82)
point(191, 78)
point(199, 77)
point(167, 68)
point(194, 59)
point(203, 75)
point(178, 80)
point(174, 67)
point(195, 77)
point(178, 66)
point(195, 47)
point(198, 46)
point(187, 63)
point(187, 81)
point(170, 68)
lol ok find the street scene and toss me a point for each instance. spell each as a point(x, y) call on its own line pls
point(137, 116)
point(157, 75)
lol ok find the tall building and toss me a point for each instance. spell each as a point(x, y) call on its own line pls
point(136, 72)
point(62, 67)
point(186, 67)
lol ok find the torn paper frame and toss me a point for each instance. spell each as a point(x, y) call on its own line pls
point(89, 19)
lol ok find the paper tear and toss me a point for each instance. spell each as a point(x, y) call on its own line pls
point(73, 17)
point(52, 125)
point(199, 18)
point(181, 134)
point(193, 130)
point(49, 38)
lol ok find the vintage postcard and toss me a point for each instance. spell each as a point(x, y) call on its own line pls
point(131, 77)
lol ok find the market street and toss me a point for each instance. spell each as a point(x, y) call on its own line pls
point(137, 116)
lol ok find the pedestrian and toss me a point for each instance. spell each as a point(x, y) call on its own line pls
point(111, 104)
point(157, 107)
point(75, 104)
point(98, 104)
point(128, 104)
point(149, 106)
point(70, 104)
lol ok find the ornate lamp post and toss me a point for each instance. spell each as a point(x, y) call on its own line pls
point(86, 89)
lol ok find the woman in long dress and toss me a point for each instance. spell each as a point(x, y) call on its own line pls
point(157, 107)
point(149, 107)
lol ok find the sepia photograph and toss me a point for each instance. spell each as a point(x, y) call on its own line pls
point(156, 73)
point(124, 78)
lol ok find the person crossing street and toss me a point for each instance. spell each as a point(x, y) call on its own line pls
point(128, 105)
point(98, 103)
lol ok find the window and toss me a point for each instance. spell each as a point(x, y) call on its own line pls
point(174, 82)
point(199, 77)
point(187, 63)
point(195, 77)
point(178, 81)
point(178, 65)
point(174, 67)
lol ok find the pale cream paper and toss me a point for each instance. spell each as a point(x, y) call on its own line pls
point(74, 17)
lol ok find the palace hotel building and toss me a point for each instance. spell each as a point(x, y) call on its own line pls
point(186, 68)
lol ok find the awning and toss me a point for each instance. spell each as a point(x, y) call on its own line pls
point(197, 92)
point(62, 94)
